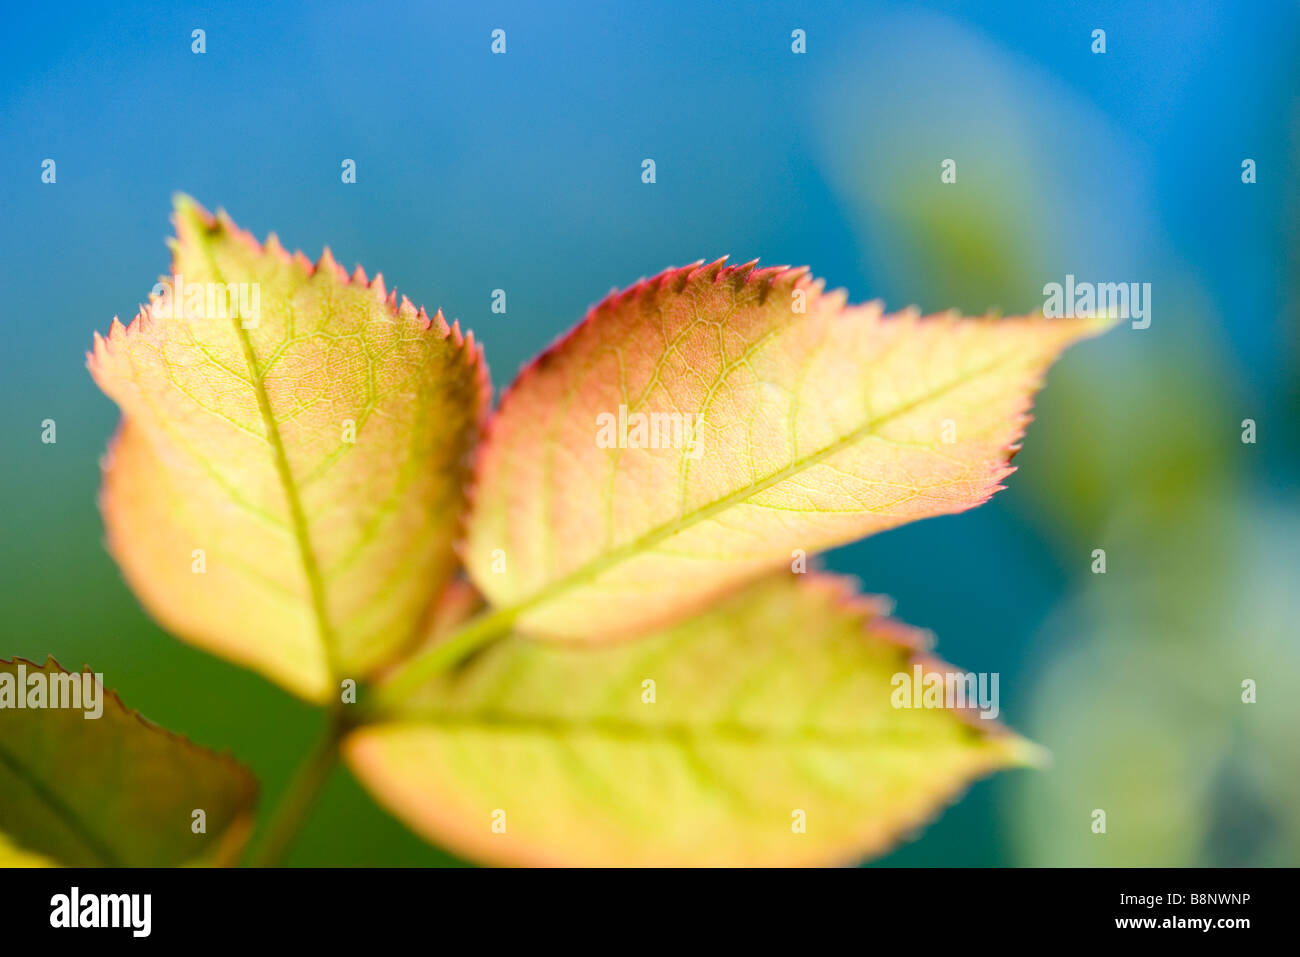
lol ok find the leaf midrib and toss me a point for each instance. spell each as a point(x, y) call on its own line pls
point(598, 566)
point(88, 839)
point(729, 732)
point(297, 515)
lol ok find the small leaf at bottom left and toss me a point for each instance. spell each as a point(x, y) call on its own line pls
point(85, 781)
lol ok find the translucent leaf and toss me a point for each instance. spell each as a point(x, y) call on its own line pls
point(762, 732)
point(776, 420)
point(286, 486)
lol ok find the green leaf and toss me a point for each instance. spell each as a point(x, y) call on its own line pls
point(114, 790)
point(775, 704)
point(288, 480)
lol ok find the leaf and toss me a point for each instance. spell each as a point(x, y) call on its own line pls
point(814, 429)
point(11, 856)
point(115, 790)
point(319, 554)
point(776, 700)
point(457, 604)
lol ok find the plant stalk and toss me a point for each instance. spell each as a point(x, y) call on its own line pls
point(440, 657)
point(296, 802)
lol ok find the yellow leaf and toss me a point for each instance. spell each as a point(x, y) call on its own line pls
point(288, 479)
point(763, 732)
point(713, 423)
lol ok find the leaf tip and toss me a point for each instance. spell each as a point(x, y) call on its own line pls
point(1023, 753)
point(710, 272)
point(190, 218)
point(330, 266)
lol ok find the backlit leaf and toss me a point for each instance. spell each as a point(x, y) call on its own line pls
point(114, 790)
point(705, 743)
point(286, 487)
point(811, 424)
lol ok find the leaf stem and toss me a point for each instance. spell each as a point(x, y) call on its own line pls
point(440, 657)
point(296, 802)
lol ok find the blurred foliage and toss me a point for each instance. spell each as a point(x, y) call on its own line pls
point(1021, 210)
point(1141, 699)
point(1148, 421)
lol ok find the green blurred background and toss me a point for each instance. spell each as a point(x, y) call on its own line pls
point(523, 172)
